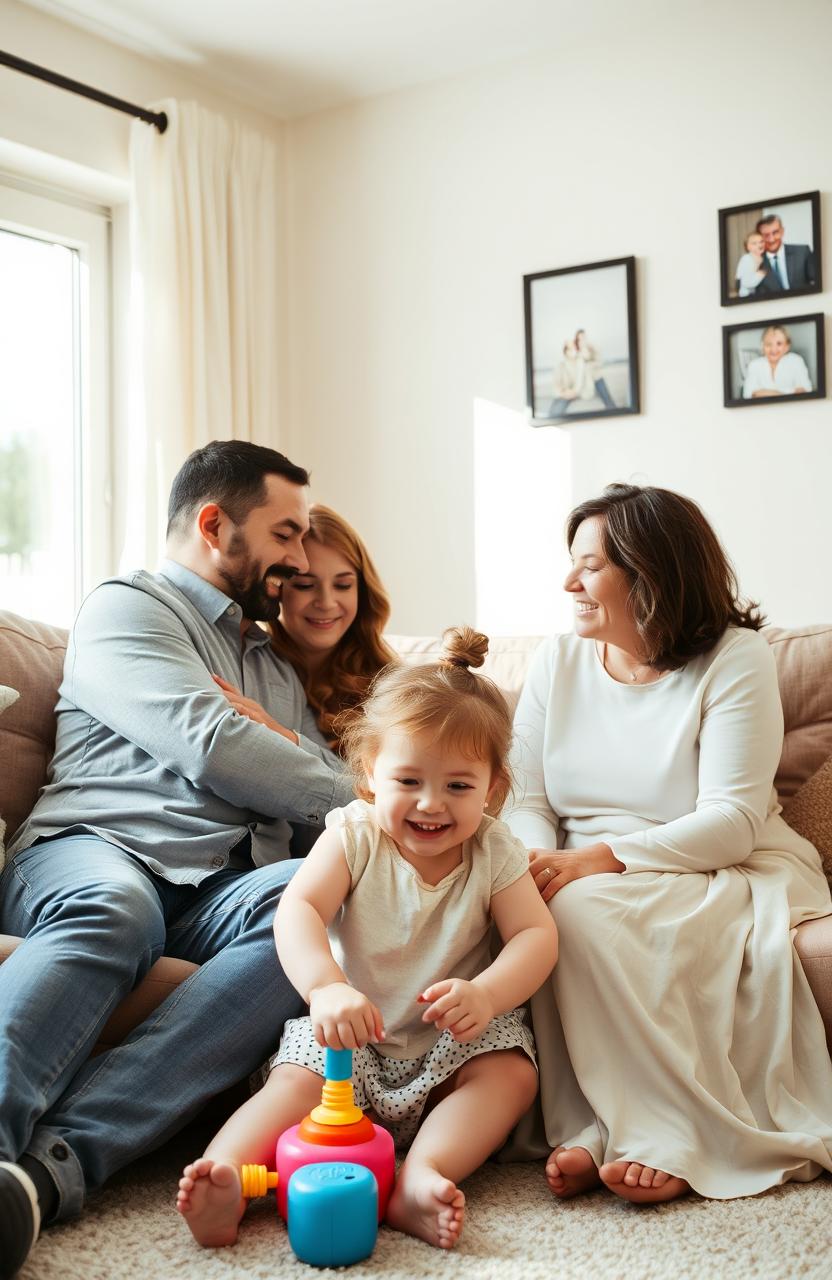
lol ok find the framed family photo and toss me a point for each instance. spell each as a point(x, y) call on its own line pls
point(782, 360)
point(770, 249)
point(581, 342)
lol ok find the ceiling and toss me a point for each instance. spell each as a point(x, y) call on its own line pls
point(294, 57)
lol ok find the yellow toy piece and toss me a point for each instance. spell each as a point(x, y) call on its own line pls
point(337, 1105)
point(256, 1180)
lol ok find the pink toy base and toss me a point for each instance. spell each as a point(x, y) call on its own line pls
point(377, 1155)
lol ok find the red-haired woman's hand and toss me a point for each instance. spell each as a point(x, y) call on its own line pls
point(252, 710)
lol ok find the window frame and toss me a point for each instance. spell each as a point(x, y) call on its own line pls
point(57, 218)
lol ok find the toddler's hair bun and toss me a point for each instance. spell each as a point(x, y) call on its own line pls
point(463, 647)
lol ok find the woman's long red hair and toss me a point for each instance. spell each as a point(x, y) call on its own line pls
point(344, 677)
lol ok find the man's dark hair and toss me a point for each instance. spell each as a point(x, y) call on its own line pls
point(231, 473)
point(770, 217)
point(683, 590)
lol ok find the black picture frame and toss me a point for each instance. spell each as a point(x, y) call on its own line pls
point(596, 300)
point(739, 221)
point(806, 333)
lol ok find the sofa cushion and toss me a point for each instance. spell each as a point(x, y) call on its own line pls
point(804, 672)
point(810, 813)
point(507, 661)
point(31, 661)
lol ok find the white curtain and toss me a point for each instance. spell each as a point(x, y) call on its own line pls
point(204, 303)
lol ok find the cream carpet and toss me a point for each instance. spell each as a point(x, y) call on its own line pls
point(514, 1231)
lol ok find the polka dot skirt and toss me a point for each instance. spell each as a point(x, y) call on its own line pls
point(396, 1090)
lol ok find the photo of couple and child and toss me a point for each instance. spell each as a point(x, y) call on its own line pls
point(581, 344)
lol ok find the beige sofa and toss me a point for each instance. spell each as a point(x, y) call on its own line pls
point(31, 661)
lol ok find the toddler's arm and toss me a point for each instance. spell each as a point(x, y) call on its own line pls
point(342, 1017)
point(528, 956)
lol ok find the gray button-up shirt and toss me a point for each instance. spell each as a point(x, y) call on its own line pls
point(150, 755)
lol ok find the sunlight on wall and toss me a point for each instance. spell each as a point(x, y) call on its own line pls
point(522, 495)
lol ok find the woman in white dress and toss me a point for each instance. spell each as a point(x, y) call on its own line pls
point(779, 371)
point(679, 1043)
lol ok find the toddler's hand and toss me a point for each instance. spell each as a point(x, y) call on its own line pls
point(457, 1006)
point(343, 1018)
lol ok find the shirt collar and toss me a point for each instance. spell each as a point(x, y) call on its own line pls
point(212, 603)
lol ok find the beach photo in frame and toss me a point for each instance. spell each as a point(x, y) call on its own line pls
point(775, 361)
point(581, 342)
point(770, 249)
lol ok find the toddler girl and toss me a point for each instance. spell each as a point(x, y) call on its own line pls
point(751, 268)
point(385, 932)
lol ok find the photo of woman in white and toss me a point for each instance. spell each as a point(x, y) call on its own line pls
point(779, 371)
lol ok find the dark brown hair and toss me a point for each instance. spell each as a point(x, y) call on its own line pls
point(344, 677)
point(458, 709)
point(683, 589)
point(231, 473)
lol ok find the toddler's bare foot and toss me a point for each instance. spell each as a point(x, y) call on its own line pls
point(571, 1170)
point(640, 1184)
point(211, 1202)
point(426, 1204)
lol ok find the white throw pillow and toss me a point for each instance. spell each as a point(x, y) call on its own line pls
point(7, 697)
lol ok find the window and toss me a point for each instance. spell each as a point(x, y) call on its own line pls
point(55, 503)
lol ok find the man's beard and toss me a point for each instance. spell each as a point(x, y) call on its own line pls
point(247, 587)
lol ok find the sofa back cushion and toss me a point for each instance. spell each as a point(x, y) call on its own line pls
point(31, 661)
point(804, 672)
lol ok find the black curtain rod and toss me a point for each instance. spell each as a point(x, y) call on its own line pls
point(157, 118)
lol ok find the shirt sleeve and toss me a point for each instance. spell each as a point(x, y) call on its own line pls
point(133, 667)
point(529, 816)
point(800, 373)
point(353, 822)
point(509, 857)
point(740, 741)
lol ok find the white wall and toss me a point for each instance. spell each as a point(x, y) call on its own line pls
point(413, 220)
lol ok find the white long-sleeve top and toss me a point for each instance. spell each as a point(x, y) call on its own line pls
point(790, 372)
point(676, 775)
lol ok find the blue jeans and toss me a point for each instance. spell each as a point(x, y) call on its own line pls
point(95, 919)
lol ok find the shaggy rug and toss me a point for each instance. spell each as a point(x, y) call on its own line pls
point(515, 1230)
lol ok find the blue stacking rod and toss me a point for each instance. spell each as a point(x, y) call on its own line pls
point(338, 1064)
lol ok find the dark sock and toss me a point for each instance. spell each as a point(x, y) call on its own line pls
point(46, 1189)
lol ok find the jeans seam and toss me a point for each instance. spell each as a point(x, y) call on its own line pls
point(211, 915)
point(161, 1014)
point(88, 1030)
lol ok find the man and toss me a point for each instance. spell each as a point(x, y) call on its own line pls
point(789, 266)
point(141, 844)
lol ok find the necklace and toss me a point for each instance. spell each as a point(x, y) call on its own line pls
point(642, 669)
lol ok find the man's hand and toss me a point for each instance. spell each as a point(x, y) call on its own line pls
point(252, 710)
point(551, 871)
point(461, 1007)
point(343, 1018)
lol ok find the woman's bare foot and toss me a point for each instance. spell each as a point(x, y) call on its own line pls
point(211, 1202)
point(571, 1170)
point(640, 1184)
point(428, 1205)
